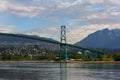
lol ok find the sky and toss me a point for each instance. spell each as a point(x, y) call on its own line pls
point(44, 17)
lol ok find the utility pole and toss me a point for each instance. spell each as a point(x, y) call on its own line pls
point(63, 46)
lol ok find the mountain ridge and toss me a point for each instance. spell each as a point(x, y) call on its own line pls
point(17, 40)
point(105, 38)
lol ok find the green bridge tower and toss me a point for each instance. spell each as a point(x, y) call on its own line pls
point(63, 46)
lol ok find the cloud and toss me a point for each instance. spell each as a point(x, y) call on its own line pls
point(49, 32)
point(92, 11)
point(96, 1)
point(3, 5)
point(67, 4)
point(20, 9)
point(7, 28)
point(114, 1)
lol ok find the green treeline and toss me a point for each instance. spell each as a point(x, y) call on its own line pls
point(35, 52)
point(55, 57)
point(27, 57)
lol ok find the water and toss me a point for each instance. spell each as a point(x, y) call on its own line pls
point(57, 71)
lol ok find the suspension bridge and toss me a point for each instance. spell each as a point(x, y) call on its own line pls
point(64, 47)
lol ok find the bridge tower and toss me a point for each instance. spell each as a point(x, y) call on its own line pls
point(63, 46)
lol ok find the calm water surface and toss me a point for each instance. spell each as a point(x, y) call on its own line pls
point(57, 71)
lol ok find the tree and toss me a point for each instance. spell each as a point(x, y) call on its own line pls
point(117, 57)
point(104, 57)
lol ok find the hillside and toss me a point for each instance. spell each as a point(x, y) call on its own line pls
point(102, 39)
point(7, 40)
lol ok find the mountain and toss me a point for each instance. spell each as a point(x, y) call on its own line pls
point(102, 39)
point(7, 40)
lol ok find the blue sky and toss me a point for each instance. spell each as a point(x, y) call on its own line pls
point(44, 17)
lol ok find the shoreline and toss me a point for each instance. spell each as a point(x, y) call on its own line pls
point(92, 62)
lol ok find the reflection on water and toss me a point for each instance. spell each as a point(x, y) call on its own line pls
point(63, 71)
point(59, 71)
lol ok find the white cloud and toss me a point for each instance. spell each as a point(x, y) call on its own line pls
point(115, 13)
point(20, 9)
point(26, 10)
point(49, 32)
point(80, 9)
point(96, 1)
point(114, 1)
point(3, 5)
point(66, 4)
point(7, 28)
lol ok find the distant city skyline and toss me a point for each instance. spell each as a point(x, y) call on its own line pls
point(44, 17)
